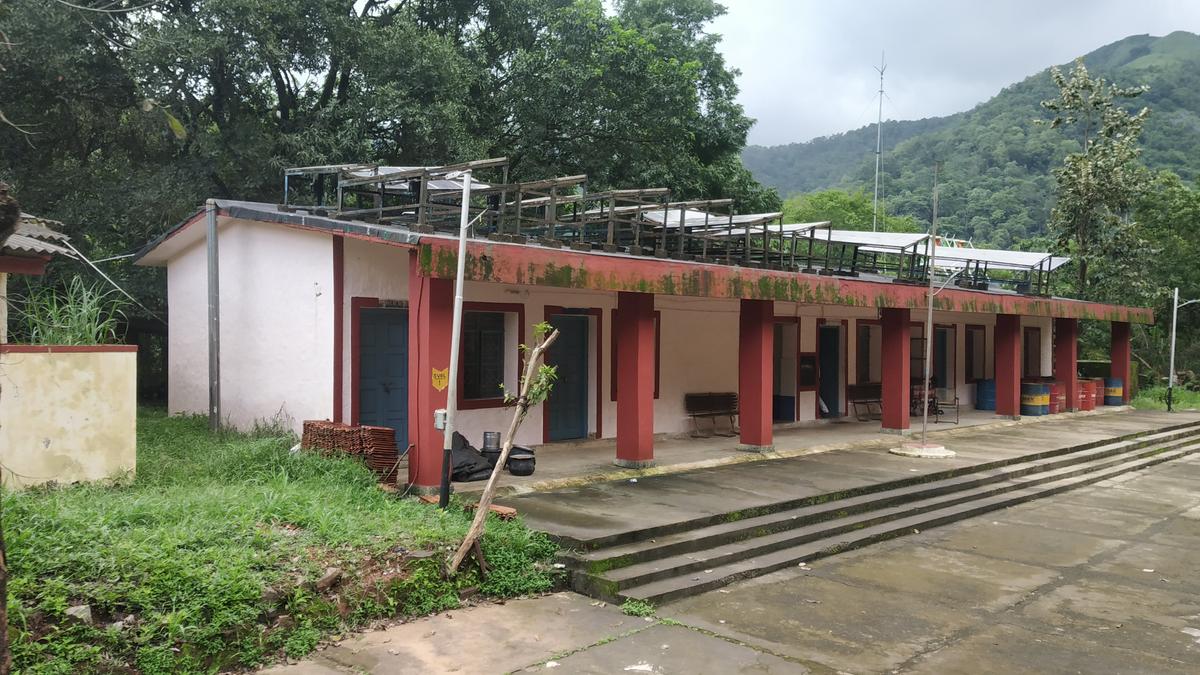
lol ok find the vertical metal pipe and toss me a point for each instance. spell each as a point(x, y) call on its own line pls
point(782, 256)
point(746, 246)
point(214, 320)
point(464, 224)
point(503, 200)
point(1171, 367)
point(422, 216)
point(612, 202)
point(551, 213)
point(662, 235)
point(682, 231)
point(729, 238)
point(520, 194)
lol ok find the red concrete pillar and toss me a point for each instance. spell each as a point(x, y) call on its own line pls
point(756, 335)
point(897, 381)
point(430, 319)
point(634, 332)
point(1066, 359)
point(1008, 365)
point(1121, 355)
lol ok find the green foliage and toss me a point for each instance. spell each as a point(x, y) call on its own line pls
point(185, 553)
point(1168, 218)
point(997, 186)
point(1155, 398)
point(632, 607)
point(139, 116)
point(844, 210)
point(82, 313)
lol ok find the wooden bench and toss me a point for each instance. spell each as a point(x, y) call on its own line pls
point(867, 401)
point(712, 405)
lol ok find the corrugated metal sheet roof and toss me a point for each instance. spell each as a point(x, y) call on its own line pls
point(36, 236)
point(23, 243)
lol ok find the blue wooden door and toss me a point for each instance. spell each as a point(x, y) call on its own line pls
point(567, 405)
point(383, 371)
point(829, 348)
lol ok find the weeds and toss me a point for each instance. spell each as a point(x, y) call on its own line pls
point(207, 560)
point(1155, 398)
point(80, 314)
point(633, 607)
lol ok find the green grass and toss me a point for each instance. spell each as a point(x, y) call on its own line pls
point(215, 540)
point(1155, 398)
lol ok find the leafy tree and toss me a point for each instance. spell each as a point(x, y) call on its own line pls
point(844, 210)
point(1099, 184)
point(1168, 214)
point(137, 116)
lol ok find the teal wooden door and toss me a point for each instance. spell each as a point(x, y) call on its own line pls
point(567, 406)
point(383, 371)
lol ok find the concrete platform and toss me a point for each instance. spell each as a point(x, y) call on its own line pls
point(571, 463)
point(603, 510)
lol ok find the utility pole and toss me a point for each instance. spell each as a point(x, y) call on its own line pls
point(932, 260)
point(1175, 305)
point(878, 146)
point(451, 410)
point(925, 448)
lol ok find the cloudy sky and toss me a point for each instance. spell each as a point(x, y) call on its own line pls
point(808, 66)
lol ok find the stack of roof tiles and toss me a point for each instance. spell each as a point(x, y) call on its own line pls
point(375, 445)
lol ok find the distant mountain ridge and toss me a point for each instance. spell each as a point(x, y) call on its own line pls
point(997, 164)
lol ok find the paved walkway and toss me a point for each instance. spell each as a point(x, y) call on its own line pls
point(603, 509)
point(1100, 579)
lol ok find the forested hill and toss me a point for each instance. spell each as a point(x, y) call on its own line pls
point(997, 185)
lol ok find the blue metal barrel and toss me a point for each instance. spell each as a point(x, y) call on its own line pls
point(985, 395)
point(1035, 398)
point(1114, 391)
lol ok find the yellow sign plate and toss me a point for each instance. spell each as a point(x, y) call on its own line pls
point(441, 378)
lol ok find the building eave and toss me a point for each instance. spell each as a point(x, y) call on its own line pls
point(565, 268)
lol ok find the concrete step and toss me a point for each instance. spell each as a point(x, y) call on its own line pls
point(738, 529)
point(635, 537)
point(715, 575)
point(653, 570)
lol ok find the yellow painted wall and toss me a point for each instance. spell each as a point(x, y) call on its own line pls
point(67, 415)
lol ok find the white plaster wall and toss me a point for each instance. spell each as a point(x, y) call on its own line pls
point(699, 354)
point(276, 325)
point(187, 332)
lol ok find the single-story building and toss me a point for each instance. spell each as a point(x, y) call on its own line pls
point(343, 311)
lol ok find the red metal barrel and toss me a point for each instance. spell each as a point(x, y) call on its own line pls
point(1087, 395)
point(1058, 398)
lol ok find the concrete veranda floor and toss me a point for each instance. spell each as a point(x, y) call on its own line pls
point(1096, 580)
point(565, 464)
point(599, 509)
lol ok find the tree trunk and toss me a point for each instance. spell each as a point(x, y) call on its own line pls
point(489, 490)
